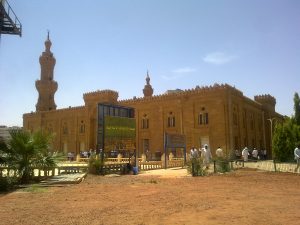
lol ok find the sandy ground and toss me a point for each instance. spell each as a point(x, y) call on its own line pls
point(241, 197)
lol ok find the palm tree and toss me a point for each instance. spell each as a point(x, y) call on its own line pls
point(26, 151)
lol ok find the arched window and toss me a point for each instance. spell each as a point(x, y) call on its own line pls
point(65, 128)
point(203, 117)
point(171, 120)
point(82, 127)
point(235, 116)
point(145, 122)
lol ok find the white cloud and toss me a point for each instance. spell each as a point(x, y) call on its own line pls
point(172, 77)
point(178, 73)
point(184, 70)
point(218, 58)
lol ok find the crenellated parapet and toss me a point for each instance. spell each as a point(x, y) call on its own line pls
point(69, 110)
point(101, 96)
point(268, 101)
point(193, 91)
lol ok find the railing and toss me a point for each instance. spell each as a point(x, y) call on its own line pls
point(15, 26)
point(150, 165)
point(44, 172)
point(113, 168)
point(176, 163)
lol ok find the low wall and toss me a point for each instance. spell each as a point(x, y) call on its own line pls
point(269, 165)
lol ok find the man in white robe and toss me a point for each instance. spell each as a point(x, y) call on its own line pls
point(245, 154)
point(297, 156)
point(206, 156)
point(219, 152)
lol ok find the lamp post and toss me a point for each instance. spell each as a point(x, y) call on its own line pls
point(271, 123)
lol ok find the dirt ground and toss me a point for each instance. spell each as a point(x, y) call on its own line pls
point(241, 197)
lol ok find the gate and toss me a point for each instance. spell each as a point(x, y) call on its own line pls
point(174, 141)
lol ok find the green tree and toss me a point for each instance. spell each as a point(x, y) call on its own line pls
point(297, 108)
point(25, 151)
point(285, 138)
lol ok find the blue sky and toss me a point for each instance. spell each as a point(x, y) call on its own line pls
point(110, 44)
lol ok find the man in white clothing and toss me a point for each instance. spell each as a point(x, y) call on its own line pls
point(219, 152)
point(297, 156)
point(245, 153)
point(206, 156)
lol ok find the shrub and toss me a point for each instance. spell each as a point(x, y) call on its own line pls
point(285, 139)
point(222, 165)
point(95, 164)
point(195, 167)
point(7, 183)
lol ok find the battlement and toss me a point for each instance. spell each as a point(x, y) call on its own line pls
point(101, 96)
point(266, 100)
point(69, 109)
point(175, 94)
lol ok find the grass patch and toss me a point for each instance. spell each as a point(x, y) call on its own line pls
point(35, 189)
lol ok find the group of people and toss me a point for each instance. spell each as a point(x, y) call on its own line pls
point(247, 154)
point(203, 153)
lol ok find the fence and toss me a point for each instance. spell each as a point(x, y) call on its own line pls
point(44, 172)
point(112, 165)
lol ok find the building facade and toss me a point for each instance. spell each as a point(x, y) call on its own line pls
point(217, 115)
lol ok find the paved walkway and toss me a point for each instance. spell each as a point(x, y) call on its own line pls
point(74, 178)
point(166, 173)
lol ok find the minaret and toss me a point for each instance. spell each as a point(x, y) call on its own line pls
point(46, 86)
point(148, 90)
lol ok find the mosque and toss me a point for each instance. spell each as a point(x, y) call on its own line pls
point(218, 115)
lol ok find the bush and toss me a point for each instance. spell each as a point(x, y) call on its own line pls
point(7, 183)
point(285, 138)
point(195, 167)
point(222, 165)
point(95, 164)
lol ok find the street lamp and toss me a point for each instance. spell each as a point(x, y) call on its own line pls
point(271, 122)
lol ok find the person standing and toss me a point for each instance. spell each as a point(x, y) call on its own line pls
point(237, 156)
point(192, 153)
point(245, 153)
point(297, 156)
point(254, 154)
point(265, 154)
point(207, 156)
point(219, 152)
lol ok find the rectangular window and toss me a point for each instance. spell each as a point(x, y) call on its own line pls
point(65, 130)
point(203, 119)
point(145, 123)
point(235, 120)
point(82, 128)
point(251, 121)
point(171, 121)
point(244, 119)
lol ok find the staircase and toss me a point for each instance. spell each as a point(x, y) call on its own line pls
point(9, 22)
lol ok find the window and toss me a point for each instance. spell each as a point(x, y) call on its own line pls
point(244, 118)
point(171, 120)
point(145, 122)
point(251, 121)
point(203, 118)
point(65, 128)
point(82, 127)
point(235, 117)
point(260, 124)
point(50, 128)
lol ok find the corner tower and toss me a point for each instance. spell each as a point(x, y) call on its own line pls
point(46, 86)
point(148, 90)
